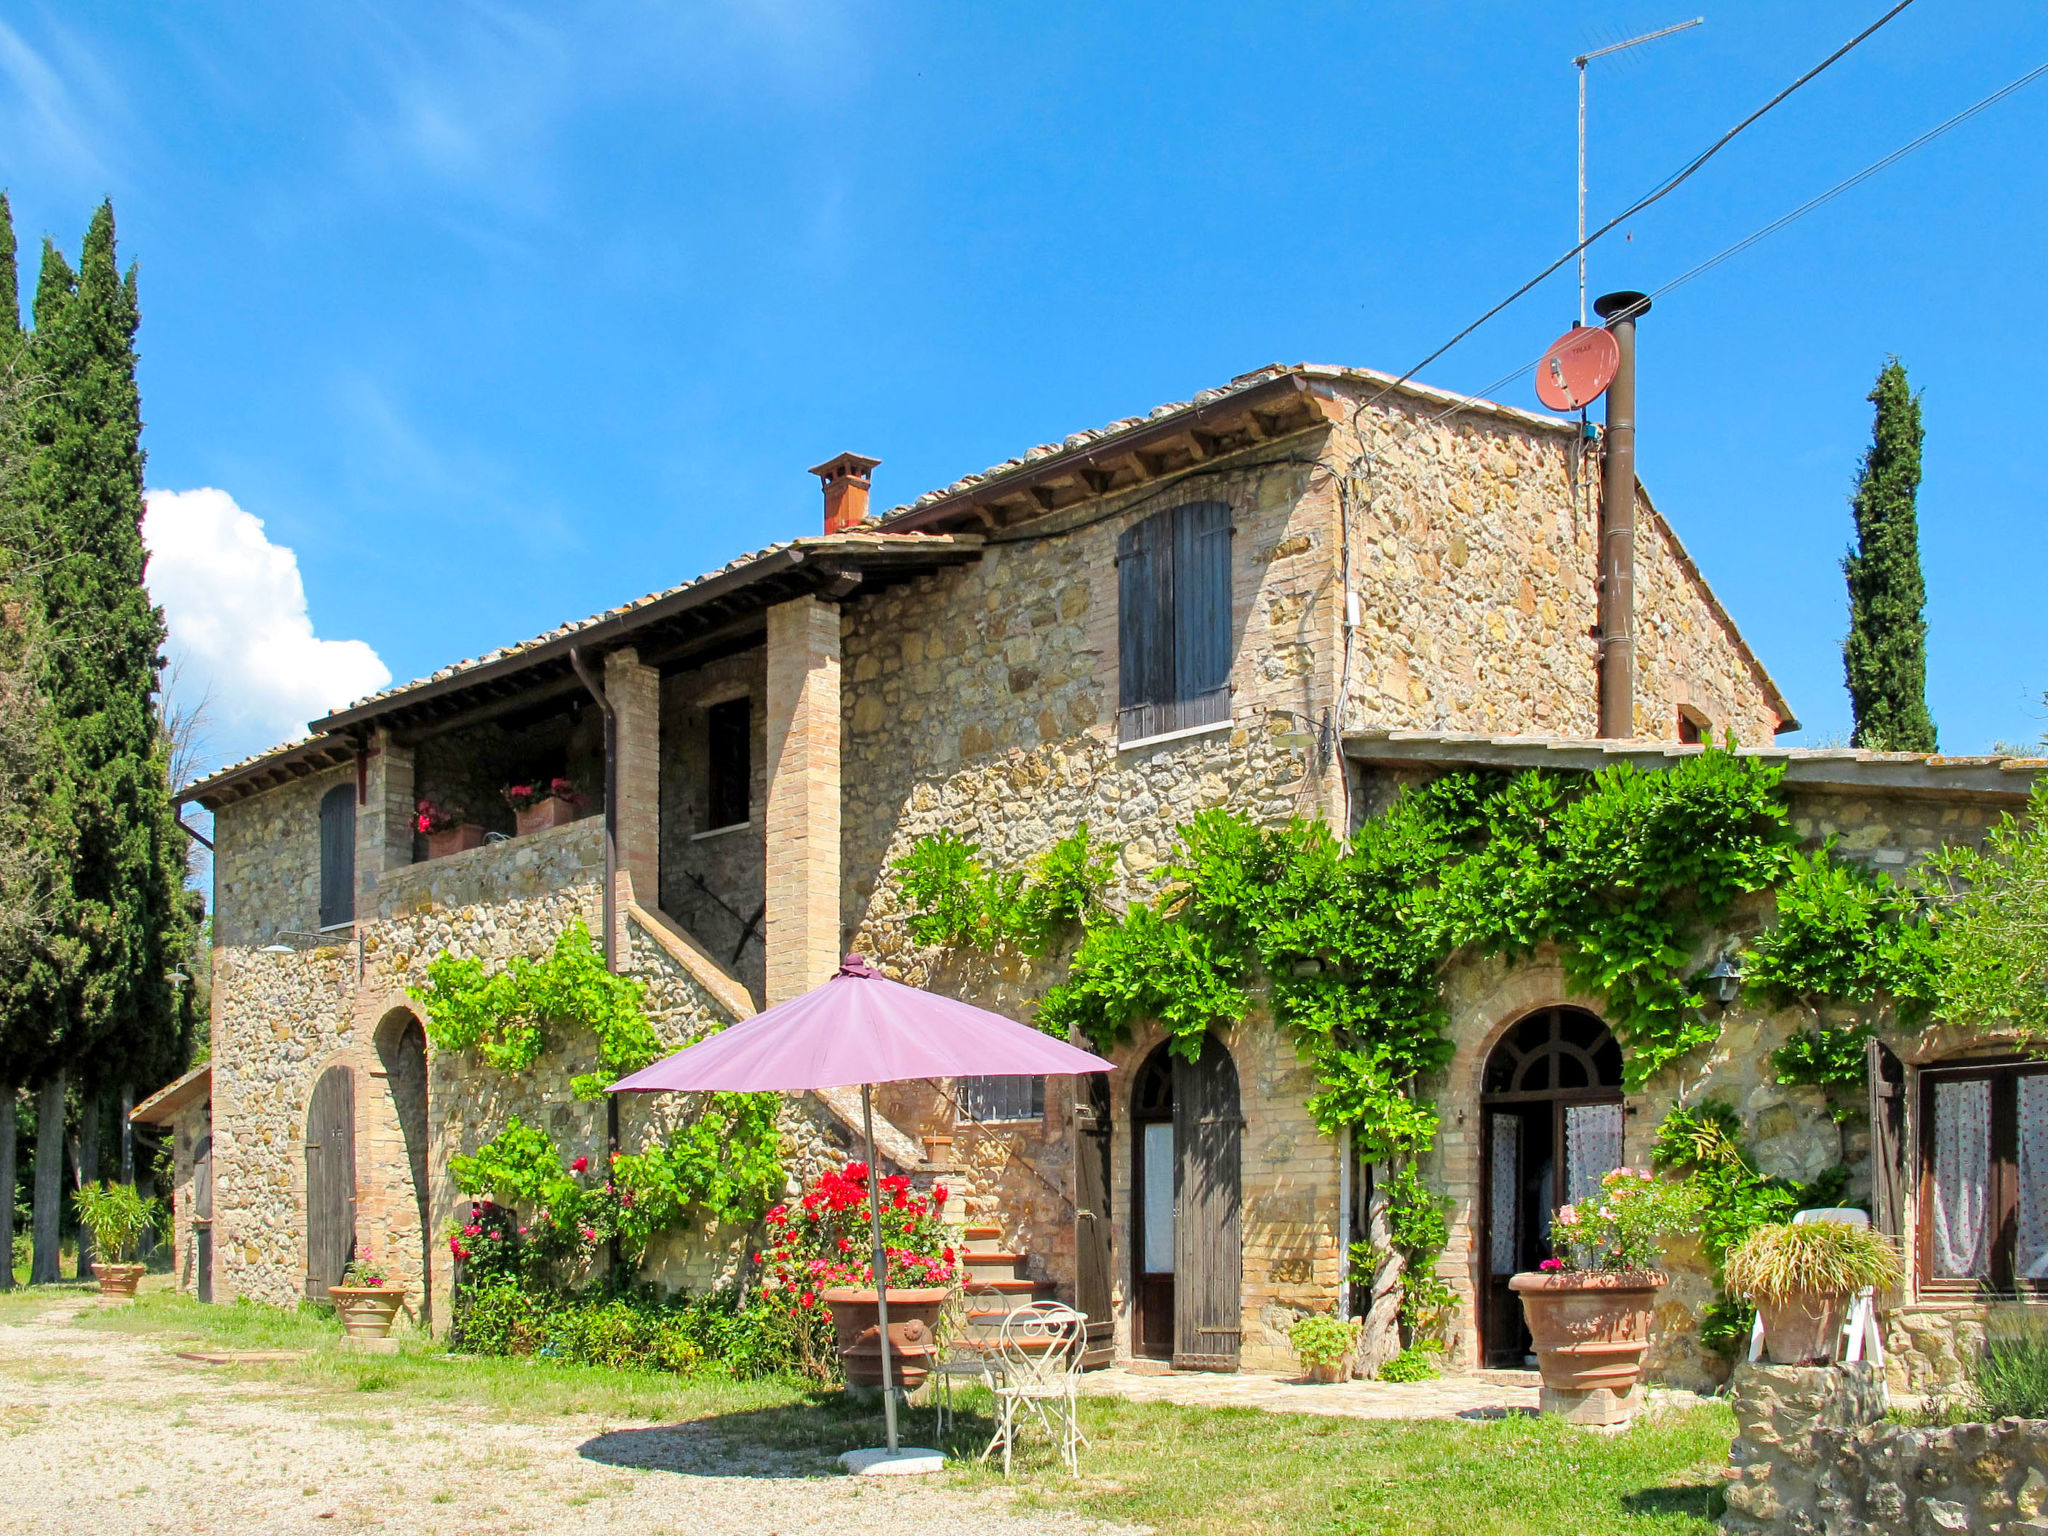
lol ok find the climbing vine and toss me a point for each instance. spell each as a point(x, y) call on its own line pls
point(1622, 871)
point(725, 1163)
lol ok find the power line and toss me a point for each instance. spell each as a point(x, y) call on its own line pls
point(1816, 201)
point(1662, 190)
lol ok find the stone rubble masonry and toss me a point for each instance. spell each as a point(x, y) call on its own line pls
point(266, 861)
point(385, 819)
point(634, 692)
point(189, 1126)
point(1473, 546)
point(803, 816)
point(1813, 1456)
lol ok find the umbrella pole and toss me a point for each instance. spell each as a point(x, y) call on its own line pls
point(867, 1122)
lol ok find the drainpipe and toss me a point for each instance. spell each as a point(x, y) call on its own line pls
point(1344, 1224)
point(1618, 523)
point(611, 805)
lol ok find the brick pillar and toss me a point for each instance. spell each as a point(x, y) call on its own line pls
point(384, 820)
point(803, 796)
point(635, 693)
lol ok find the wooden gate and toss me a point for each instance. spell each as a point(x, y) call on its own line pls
point(1208, 1248)
point(1092, 1256)
point(202, 1218)
point(330, 1181)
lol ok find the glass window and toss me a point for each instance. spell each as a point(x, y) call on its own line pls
point(729, 729)
point(1984, 1176)
point(1003, 1098)
point(1158, 1201)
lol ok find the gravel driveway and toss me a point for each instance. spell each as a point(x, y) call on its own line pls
point(112, 1434)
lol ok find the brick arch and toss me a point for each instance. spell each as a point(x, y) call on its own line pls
point(401, 1168)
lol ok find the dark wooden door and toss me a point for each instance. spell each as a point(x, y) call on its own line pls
point(1092, 1256)
point(330, 1181)
point(202, 1218)
point(1208, 1249)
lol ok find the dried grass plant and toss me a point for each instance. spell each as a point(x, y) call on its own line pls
point(1822, 1258)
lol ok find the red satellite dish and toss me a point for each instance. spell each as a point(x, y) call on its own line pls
point(1577, 367)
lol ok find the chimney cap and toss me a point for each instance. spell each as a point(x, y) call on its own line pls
point(845, 464)
point(1627, 304)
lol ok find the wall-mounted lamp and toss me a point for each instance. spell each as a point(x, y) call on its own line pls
point(292, 933)
point(1723, 982)
point(176, 978)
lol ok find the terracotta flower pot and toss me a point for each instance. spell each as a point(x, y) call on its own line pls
point(454, 840)
point(1590, 1329)
point(913, 1326)
point(1327, 1372)
point(543, 814)
point(1802, 1329)
point(118, 1279)
point(367, 1311)
point(938, 1151)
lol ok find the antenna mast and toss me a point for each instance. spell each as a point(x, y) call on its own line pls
point(1581, 62)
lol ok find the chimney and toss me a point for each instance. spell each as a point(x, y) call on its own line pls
point(1618, 523)
point(846, 490)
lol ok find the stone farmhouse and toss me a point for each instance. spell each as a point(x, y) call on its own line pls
point(1290, 594)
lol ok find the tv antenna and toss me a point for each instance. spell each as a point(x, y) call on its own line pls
point(1581, 62)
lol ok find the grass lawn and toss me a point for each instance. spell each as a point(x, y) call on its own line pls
point(1173, 1468)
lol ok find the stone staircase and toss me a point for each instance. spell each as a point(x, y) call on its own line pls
point(993, 1283)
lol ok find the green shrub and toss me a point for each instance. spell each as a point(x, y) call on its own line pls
point(1418, 1362)
point(704, 1335)
point(1319, 1339)
point(117, 1216)
point(2010, 1379)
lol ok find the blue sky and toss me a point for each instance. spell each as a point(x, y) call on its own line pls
point(497, 315)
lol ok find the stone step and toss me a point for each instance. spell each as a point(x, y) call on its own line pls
point(999, 1263)
point(983, 1239)
point(1005, 1287)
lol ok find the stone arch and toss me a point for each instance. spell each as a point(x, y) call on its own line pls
point(399, 1043)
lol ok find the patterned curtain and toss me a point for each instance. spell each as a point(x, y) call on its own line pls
point(1507, 1187)
point(2031, 1257)
point(1962, 1178)
point(1592, 1148)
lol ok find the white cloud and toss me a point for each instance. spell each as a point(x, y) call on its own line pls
point(240, 632)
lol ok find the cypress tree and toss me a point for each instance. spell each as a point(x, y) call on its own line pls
point(123, 916)
point(1885, 654)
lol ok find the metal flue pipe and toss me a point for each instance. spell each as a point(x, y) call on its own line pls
point(1617, 590)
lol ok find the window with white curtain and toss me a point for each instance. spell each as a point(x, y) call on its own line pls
point(1984, 1176)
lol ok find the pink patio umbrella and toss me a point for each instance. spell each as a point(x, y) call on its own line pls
point(859, 1029)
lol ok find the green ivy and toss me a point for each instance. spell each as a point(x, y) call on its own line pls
point(1995, 939)
point(1832, 1060)
point(1848, 933)
point(511, 1015)
point(726, 1162)
point(956, 902)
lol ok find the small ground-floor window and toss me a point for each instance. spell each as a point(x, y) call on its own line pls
point(1984, 1177)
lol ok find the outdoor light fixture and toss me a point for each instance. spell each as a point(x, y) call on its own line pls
point(1306, 733)
point(176, 978)
point(1724, 981)
point(277, 949)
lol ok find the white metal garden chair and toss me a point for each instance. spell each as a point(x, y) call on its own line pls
point(1040, 1350)
point(1860, 1339)
point(970, 1355)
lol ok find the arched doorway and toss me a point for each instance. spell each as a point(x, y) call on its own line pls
point(330, 1180)
point(1551, 1116)
point(202, 1218)
point(402, 1049)
point(1188, 1259)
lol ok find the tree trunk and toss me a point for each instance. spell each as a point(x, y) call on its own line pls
point(49, 1179)
point(92, 1109)
point(7, 1174)
point(1380, 1340)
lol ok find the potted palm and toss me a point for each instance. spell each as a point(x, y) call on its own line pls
point(446, 829)
point(538, 804)
point(1801, 1279)
point(116, 1215)
point(1589, 1308)
point(366, 1300)
point(1325, 1346)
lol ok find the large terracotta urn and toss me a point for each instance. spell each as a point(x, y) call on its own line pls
point(457, 839)
point(367, 1311)
point(118, 1280)
point(553, 811)
point(913, 1333)
point(1591, 1328)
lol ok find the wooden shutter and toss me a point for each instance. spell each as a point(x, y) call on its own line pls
point(1887, 1140)
point(330, 1180)
point(1144, 570)
point(337, 855)
point(202, 1218)
point(1201, 613)
point(1208, 1250)
point(1092, 1253)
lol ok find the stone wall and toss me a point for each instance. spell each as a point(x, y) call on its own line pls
point(266, 861)
point(1474, 549)
point(1812, 1456)
point(189, 1126)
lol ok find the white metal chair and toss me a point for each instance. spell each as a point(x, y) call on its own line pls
point(1040, 1349)
point(1860, 1339)
point(970, 1355)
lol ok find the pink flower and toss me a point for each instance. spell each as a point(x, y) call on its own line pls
point(1550, 1265)
point(522, 1231)
point(579, 1165)
point(590, 1234)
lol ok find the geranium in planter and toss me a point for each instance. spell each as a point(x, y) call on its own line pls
point(117, 1216)
point(538, 804)
point(1801, 1278)
point(1325, 1346)
point(366, 1300)
point(446, 828)
point(819, 1254)
point(1589, 1308)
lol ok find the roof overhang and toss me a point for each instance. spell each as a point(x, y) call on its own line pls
point(161, 1107)
point(2005, 779)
